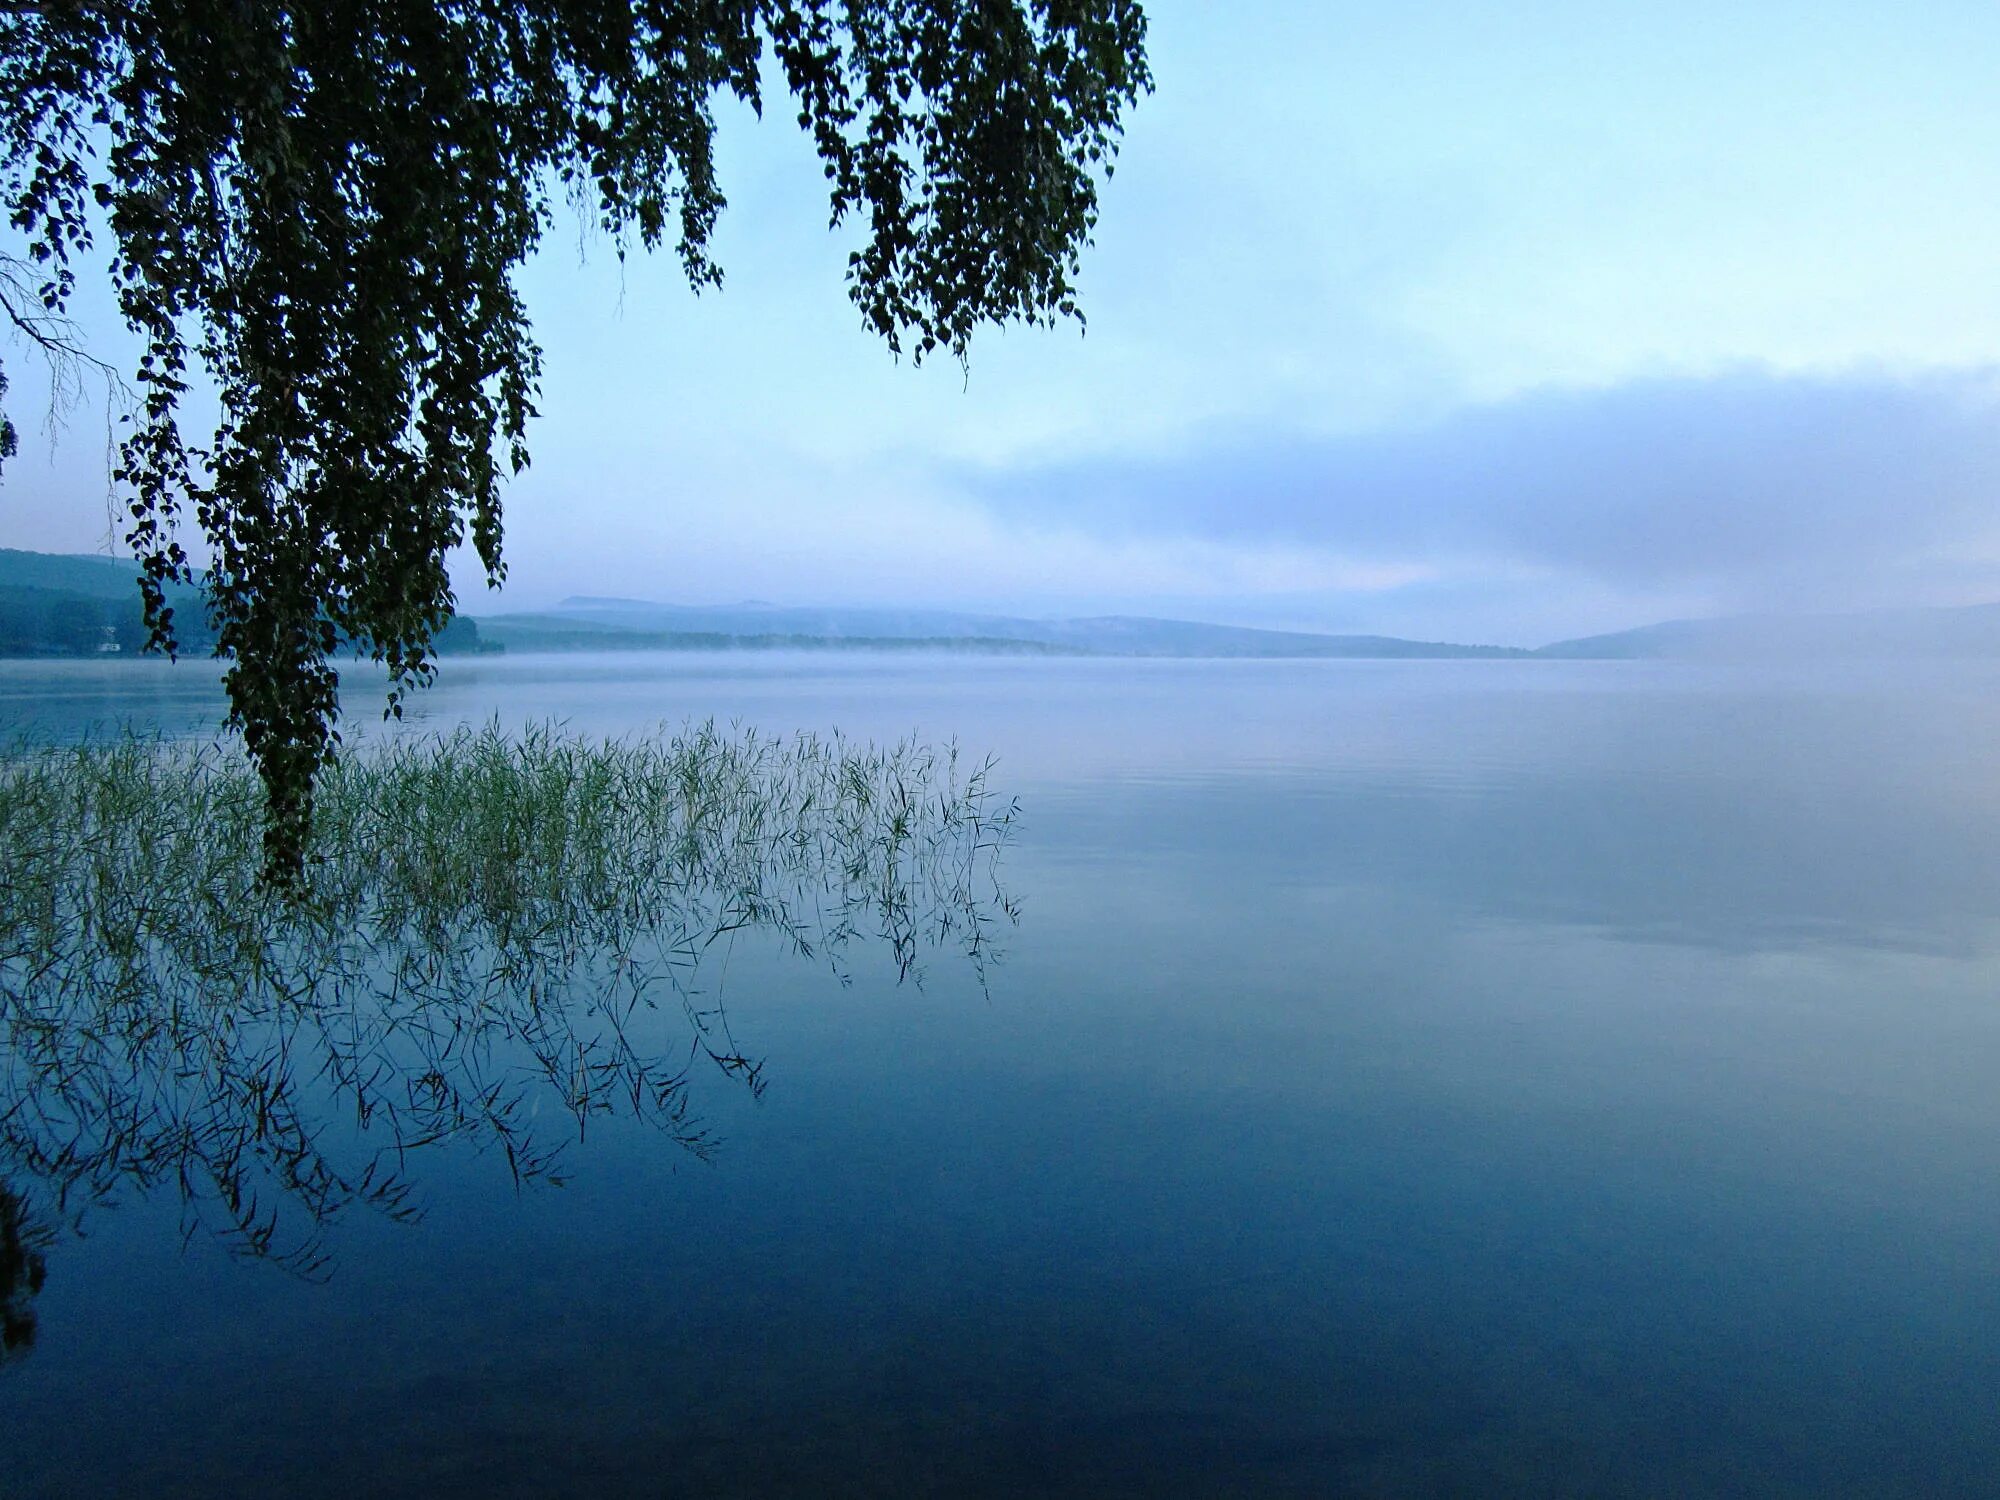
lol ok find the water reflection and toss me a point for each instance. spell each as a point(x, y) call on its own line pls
point(22, 1269)
point(491, 926)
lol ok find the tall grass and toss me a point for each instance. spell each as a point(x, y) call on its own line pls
point(484, 923)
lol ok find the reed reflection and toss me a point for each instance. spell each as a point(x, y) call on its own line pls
point(488, 924)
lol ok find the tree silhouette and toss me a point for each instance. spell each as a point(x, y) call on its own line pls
point(323, 210)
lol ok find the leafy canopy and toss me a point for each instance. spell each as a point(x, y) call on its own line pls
point(323, 208)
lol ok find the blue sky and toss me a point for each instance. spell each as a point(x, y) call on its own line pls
point(1481, 321)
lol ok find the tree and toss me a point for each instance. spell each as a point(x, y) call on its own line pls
point(322, 209)
point(75, 625)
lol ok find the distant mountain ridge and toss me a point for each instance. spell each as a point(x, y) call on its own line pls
point(66, 604)
point(73, 573)
point(1103, 635)
point(1970, 630)
point(589, 623)
point(56, 604)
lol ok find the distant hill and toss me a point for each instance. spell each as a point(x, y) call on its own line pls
point(59, 605)
point(1967, 631)
point(93, 577)
point(611, 624)
point(586, 624)
point(555, 632)
point(56, 605)
point(52, 604)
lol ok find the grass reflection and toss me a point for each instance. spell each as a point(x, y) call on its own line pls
point(487, 923)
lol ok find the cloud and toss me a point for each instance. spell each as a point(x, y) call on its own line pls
point(1745, 485)
point(795, 529)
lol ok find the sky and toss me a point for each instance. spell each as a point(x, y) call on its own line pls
point(1482, 322)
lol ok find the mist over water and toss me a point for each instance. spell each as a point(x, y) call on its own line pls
point(1480, 1077)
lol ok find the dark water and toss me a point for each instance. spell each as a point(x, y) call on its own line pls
point(1479, 1078)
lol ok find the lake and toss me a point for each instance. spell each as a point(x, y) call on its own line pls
point(1531, 1078)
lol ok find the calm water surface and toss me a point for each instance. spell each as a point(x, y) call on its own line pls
point(1404, 1078)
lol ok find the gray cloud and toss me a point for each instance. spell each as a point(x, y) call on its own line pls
point(1722, 483)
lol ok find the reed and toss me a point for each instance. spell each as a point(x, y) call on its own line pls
point(483, 922)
